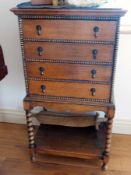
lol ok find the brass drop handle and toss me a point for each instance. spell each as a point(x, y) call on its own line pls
point(38, 29)
point(40, 51)
point(42, 70)
point(96, 30)
point(94, 53)
point(93, 72)
point(93, 91)
point(43, 88)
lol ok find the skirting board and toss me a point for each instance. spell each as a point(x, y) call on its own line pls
point(18, 117)
point(12, 116)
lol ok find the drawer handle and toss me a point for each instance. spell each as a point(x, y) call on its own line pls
point(40, 51)
point(43, 88)
point(93, 72)
point(38, 30)
point(96, 30)
point(42, 70)
point(94, 53)
point(93, 91)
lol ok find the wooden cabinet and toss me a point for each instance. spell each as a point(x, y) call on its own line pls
point(69, 58)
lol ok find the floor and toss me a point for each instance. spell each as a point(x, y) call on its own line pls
point(14, 157)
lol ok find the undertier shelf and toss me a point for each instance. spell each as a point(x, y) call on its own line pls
point(76, 142)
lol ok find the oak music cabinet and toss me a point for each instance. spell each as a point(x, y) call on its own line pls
point(69, 57)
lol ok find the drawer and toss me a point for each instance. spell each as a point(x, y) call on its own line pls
point(66, 51)
point(69, 29)
point(70, 108)
point(63, 89)
point(69, 71)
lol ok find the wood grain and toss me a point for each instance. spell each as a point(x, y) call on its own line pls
point(40, 2)
point(107, 12)
point(52, 118)
point(67, 107)
point(76, 90)
point(68, 51)
point(14, 158)
point(71, 142)
point(69, 71)
point(69, 29)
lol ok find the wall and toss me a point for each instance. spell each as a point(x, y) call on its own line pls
point(12, 89)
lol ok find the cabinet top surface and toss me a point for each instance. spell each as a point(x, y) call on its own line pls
point(69, 11)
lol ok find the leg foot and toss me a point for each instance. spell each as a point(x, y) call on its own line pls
point(104, 167)
point(33, 159)
point(33, 154)
point(105, 159)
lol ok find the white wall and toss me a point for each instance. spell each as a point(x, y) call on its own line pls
point(123, 78)
point(12, 89)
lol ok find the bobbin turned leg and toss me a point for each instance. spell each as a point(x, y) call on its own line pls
point(106, 152)
point(32, 145)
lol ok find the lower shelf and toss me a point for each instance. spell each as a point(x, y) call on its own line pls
point(71, 142)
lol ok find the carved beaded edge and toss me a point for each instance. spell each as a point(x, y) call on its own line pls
point(115, 58)
point(69, 99)
point(70, 81)
point(44, 60)
point(23, 54)
point(69, 41)
point(69, 17)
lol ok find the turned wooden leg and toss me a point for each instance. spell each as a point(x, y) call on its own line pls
point(32, 145)
point(106, 152)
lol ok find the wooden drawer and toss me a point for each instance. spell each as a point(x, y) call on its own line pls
point(69, 108)
point(69, 29)
point(76, 90)
point(66, 51)
point(69, 71)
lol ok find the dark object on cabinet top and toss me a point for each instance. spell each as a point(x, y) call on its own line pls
point(3, 67)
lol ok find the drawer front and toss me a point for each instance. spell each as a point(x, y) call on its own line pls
point(66, 51)
point(76, 90)
point(69, 29)
point(70, 108)
point(69, 71)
